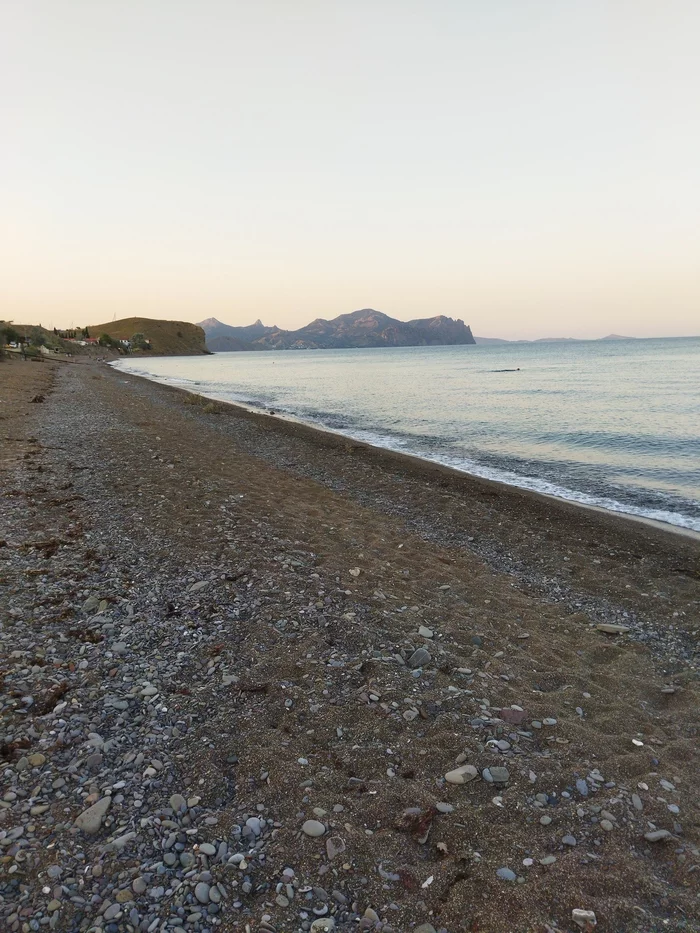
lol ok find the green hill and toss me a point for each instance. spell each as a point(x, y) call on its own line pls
point(166, 338)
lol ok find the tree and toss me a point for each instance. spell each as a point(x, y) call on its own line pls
point(107, 341)
point(11, 335)
point(139, 342)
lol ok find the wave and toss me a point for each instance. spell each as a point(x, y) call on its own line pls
point(531, 483)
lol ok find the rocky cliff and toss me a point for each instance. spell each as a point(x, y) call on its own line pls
point(364, 328)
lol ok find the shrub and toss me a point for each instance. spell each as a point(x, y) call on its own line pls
point(207, 406)
point(10, 335)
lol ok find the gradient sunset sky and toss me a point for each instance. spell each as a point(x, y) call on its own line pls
point(531, 166)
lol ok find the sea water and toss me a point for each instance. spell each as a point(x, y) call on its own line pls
point(615, 424)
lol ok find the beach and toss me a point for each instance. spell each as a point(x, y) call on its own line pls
point(257, 649)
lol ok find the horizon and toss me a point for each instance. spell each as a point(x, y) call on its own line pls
point(528, 168)
point(478, 336)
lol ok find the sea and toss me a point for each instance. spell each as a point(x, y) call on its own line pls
point(607, 423)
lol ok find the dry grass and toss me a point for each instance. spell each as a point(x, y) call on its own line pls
point(171, 338)
point(206, 405)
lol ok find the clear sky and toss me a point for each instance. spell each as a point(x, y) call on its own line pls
point(531, 166)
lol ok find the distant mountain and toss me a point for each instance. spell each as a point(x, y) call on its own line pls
point(224, 337)
point(555, 339)
point(226, 344)
point(364, 328)
point(494, 340)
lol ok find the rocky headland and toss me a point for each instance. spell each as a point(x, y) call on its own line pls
point(364, 328)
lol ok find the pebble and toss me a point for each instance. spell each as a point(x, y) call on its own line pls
point(90, 820)
point(658, 835)
point(335, 846)
point(313, 828)
point(201, 892)
point(461, 775)
point(584, 918)
point(419, 658)
point(323, 925)
point(506, 874)
point(496, 775)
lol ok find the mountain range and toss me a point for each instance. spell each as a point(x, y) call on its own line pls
point(364, 328)
point(494, 340)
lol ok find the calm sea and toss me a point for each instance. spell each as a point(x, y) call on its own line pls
point(614, 424)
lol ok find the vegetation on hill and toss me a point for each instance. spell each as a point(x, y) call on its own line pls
point(162, 338)
point(29, 337)
point(142, 335)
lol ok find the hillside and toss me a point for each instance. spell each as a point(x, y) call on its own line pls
point(364, 328)
point(167, 338)
point(36, 334)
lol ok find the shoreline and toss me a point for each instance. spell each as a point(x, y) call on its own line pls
point(218, 627)
point(426, 463)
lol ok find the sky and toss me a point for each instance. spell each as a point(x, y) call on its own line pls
point(529, 166)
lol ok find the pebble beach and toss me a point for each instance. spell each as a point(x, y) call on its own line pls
point(256, 677)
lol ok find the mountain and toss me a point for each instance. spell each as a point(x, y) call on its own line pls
point(167, 338)
point(364, 328)
point(555, 339)
point(223, 338)
point(494, 340)
point(213, 328)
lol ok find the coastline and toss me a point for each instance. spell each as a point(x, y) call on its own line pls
point(425, 465)
point(240, 601)
point(519, 483)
